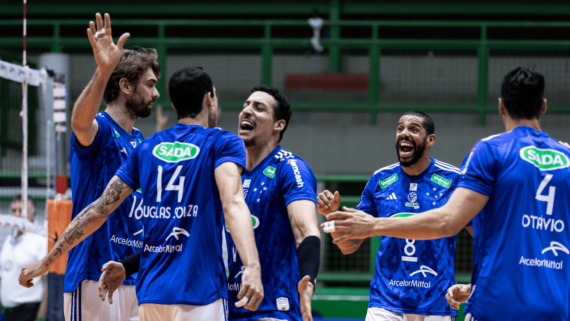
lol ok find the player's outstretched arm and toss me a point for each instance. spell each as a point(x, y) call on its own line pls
point(327, 203)
point(83, 225)
point(107, 55)
point(458, 294)
point(445, 221)
point(238, 219)
point(307, 236)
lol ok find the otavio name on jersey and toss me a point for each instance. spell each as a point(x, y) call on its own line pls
point(523, 249)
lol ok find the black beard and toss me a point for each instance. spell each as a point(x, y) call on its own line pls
point(418, 152)
point(137, 107)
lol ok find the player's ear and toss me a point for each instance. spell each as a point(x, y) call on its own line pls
point(125, 86)
point(279, 125)
point(207, 101)
point(502, 108)
point(431, 140)
point(543, 108)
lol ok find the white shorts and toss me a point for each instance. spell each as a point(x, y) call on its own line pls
point(215, 311)
point(378, 314)
point(84, 304)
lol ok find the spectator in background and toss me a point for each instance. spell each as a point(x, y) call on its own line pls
point(21, 248)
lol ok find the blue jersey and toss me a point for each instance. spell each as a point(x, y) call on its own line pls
point(181, 259)
point(91, 168)
point(281, 178)
point(521, 245)
point(411, 276)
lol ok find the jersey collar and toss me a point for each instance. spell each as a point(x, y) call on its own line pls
point(180, 125)
point(529, 130)
point(418, 177)
point(267, 160)
point(118, 128)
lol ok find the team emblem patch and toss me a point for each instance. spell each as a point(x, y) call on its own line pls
point(412, 198)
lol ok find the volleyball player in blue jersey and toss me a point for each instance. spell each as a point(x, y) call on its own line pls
point(280, 191)
point(100, 144)
point(515, 187)
point(190, 177)
point(411, 276)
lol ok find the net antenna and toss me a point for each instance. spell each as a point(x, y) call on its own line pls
point(24, 115)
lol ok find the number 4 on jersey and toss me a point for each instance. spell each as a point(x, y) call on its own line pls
point(170, 186)
point(546, 198)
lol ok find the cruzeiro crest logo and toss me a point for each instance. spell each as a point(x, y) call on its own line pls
point(412, 198)
point(175, 152)
point(254, 222)
point(544, 159)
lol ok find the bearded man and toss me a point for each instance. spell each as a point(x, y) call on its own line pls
point(411, 277)
point(100, 144)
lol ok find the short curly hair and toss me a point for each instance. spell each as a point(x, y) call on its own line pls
point(133, 64)
point(283, 108)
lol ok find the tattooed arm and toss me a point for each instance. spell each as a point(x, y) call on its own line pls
point(83, 225)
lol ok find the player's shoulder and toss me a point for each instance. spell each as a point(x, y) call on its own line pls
point(283, 157)
point(386, 171)
point(105, 121)
point(445, 168)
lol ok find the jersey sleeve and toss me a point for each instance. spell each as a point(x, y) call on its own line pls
point(366, 203)
point(297, 181)
point(129, 171)
point(478, 169)
point(101, 139)
point(229, 148)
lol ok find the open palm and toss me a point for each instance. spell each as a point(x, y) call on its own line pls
point(107, 54)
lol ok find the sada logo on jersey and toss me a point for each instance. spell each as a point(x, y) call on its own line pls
point(544, 159)
point(175, 152)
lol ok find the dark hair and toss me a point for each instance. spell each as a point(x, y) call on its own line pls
point(187, 88)
point(523, 93)
point(428, 124)
point(19, 198)
point(133, 64)
point(283, 108)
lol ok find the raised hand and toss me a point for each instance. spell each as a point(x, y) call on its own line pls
point(327, 202)
point(355, 224)
point(107, 54)
point(458, 294)
point(306, 290)
point(31, 271)
point(251, 293)
point(112, 277)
